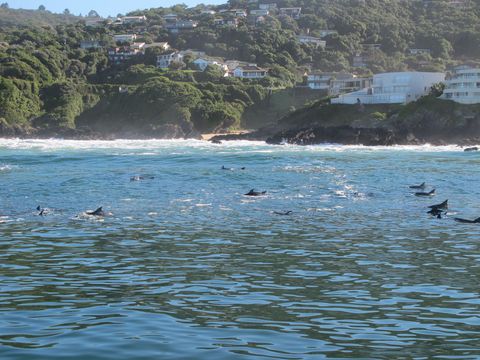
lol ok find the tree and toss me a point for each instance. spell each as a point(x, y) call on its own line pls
point(66, 12)
point(42, 8)
point(4, 5)
point(93, 13)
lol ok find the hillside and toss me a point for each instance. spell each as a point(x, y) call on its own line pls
point(49, 85)
point(33, 18)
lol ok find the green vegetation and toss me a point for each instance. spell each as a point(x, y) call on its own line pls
point(47, 82)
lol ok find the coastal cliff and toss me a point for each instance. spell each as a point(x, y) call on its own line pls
point(428, 120)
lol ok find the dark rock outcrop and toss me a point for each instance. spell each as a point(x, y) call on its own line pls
point(339, 134)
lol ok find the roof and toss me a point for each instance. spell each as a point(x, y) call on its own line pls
point(251, 68)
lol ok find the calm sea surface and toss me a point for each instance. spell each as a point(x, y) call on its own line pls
point(186, 267)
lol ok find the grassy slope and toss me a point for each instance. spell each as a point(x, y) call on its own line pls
point(35, 18)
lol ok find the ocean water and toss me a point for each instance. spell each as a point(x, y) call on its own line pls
point(186, 267)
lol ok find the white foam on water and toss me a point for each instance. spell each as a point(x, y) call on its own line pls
point(150, 145)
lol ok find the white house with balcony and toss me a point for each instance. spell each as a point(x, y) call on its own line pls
point(121, 38)
point(133, 19)
point(259, 12)
point(463, 86)
point(250, 71)
point(319, 81)
point(393, 88)
point(337, 83)
point(311, 40)
point(165, 60)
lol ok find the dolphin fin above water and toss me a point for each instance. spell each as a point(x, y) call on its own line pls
point(252, 192)
point(421, 186)
point(441, 206)
point(98, 212)
point(467, 221)
point(430, 193)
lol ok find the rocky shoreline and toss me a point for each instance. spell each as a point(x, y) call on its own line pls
point(345, 135)
point(348, 135)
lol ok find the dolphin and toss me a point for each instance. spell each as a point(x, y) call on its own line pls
point(466, 221)
point(437, 212)
point(42, 211)
point(421, 186)
point(98, 212)
point(283, 212)
point(139, 178)
point(441, 206)
point(430, 193)
point(255, 193)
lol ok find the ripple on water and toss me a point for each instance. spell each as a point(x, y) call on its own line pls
point(187, 267)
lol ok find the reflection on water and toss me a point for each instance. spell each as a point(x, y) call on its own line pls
point(188, 268)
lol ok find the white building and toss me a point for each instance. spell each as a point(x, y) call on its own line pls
point(250, 71)
point(306, 39)
point(121, 54)
point(319, 81)
point(170, 17)
point(233, 23)
point(181, 25)
point(94, 22)
point(165, 60)
point(259, 12)
point(121, 38)
point(393, 88)
point(203, 63)
point(345, 83)
point(162, 45)
point(337, 83)
point(133, 19)
point(463, 86)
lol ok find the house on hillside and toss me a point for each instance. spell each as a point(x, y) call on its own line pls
point(94, 22)
point(165, 60)
point(133, 19)
point(170, 17)
point(204, 62)
point(161, 45)
point(259, 12)
point(121, 54)
point(233, 23)
point(181, 25)
point(311, 40)
point(393, 88)
point(293, 12)
point(413, 51)
point(319, 81)
point(463, 86)
point(234, 12)
point(250, 71)
point(336, 83)
point(345, 83)
point(125, 38)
